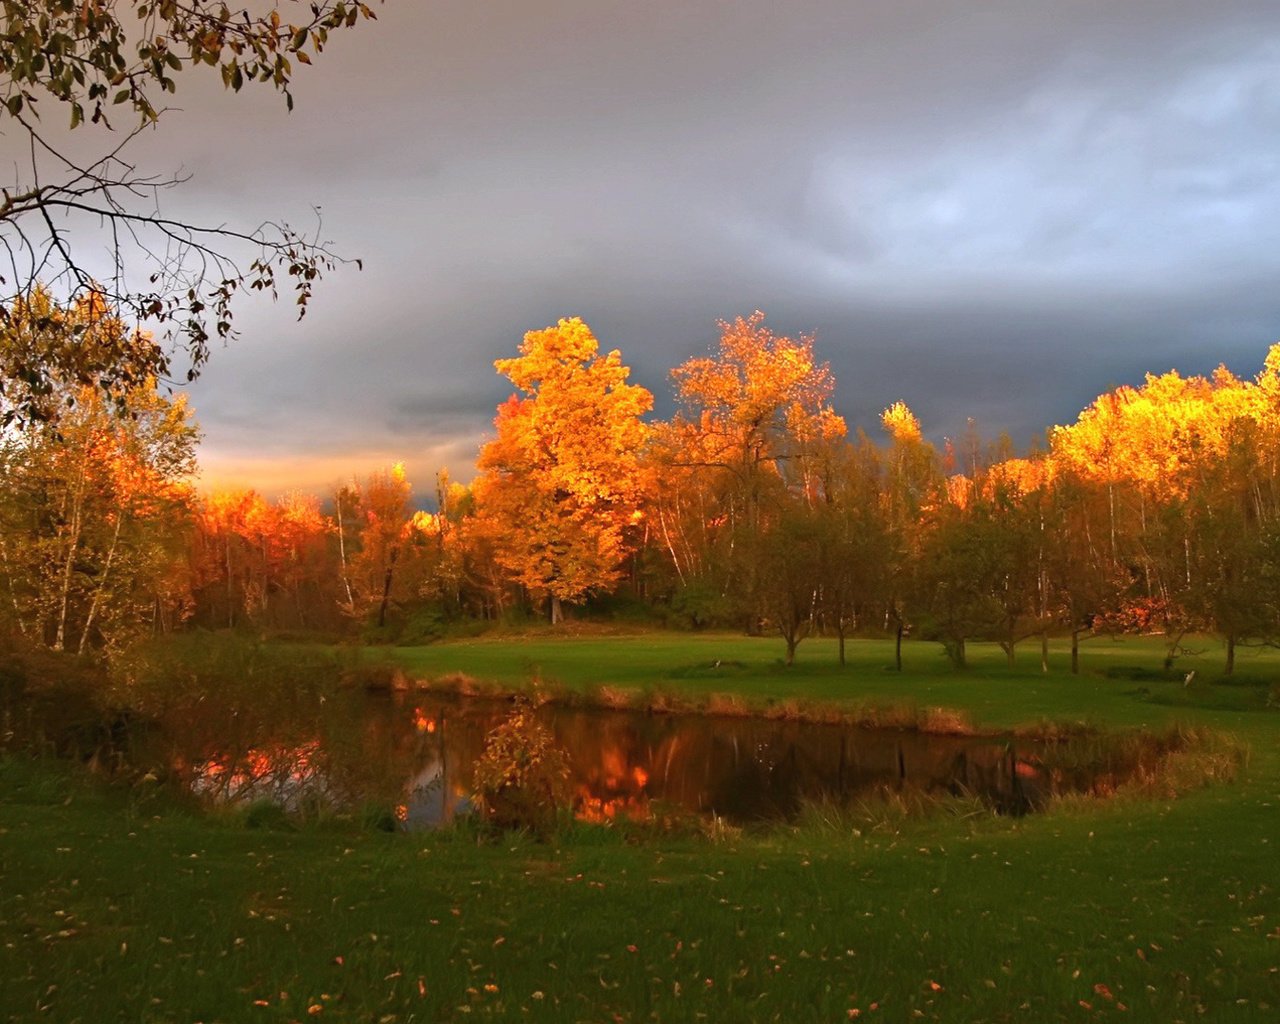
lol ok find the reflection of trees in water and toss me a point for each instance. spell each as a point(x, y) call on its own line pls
point(288, 776)
point(417, 755)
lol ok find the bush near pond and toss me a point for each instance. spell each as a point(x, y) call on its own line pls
point(522, 778)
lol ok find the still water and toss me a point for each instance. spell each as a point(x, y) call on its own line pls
point(417, 754)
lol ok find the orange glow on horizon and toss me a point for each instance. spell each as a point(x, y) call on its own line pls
point(276, 475)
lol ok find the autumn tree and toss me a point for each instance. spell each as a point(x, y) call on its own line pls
point(793, 557)
point(856, 571)
point(691, 536)
point(262, 563)
point(758, 401)
point(962, 568)
point(558, 486)
point(94, 520)
point(378, 542)
point(442, 541)
point(1231, 511)
point(105, 69)
point(50, 351)
point(1082, 582)
point(1012, 494)
point(913, 493)
point(1187, 500)
point(754, 416)
point(228, 579)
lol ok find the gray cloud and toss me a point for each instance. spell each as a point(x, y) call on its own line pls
point(992, 211)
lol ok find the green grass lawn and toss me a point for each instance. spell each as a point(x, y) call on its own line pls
point(119, 905)
point(991, 692)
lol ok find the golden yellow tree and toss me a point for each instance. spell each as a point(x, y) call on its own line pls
point(559, 485)
point(755, 427)
point(759, 400)
point(1184, 468)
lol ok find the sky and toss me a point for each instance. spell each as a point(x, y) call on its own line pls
point(993, 210)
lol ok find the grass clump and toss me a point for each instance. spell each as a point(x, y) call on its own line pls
point(1133, 765)
point(890, 809)
point(267, 814)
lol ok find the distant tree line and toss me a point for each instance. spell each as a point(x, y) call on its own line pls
point(752, 508)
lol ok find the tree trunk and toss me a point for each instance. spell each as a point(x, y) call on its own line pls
point(386, 587)
point(1075, 651)
point(1044, 653)
point(1172, 644)
point(1231, 653)
point(671, 548)
point(897, 648)
point(102, 583)
point(792, 644)
point(76, 517)
point(557, 611)
point(65, 592)
point(13, 594)
point(342, 558)
point(231, 590)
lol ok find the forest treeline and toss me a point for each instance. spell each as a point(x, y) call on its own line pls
point(754, 507)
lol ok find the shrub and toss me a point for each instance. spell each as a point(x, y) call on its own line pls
point(425, 624)
point(699, 605)
point(522, 778)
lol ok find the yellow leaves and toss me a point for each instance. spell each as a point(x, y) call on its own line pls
point(280, 529)
point(1021, 476)
point(759, 393)
point(1156, 434)
point(426, 523)
point(900, 423)
point(560, 481)
point(549, 352)
point(959, 490)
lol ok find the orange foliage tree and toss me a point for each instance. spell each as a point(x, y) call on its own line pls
point(755, 425)
point(94, 516)
point(558, 490)
point(378, 544)
point(759, 401)
point(261, 562)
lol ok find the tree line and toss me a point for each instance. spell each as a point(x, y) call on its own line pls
point(753, 507)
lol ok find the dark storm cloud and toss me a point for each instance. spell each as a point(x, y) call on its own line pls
point(990, 210)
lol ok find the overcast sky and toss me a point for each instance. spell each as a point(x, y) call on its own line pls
point(994, 210)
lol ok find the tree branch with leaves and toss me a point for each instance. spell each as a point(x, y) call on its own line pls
point(93, 61)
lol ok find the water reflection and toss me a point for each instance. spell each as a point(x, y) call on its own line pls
point(417, 756)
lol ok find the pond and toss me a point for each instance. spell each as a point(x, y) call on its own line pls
point(415, 753)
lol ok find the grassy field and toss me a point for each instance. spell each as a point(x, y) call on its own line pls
point(122, 905)
point(995, 695)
